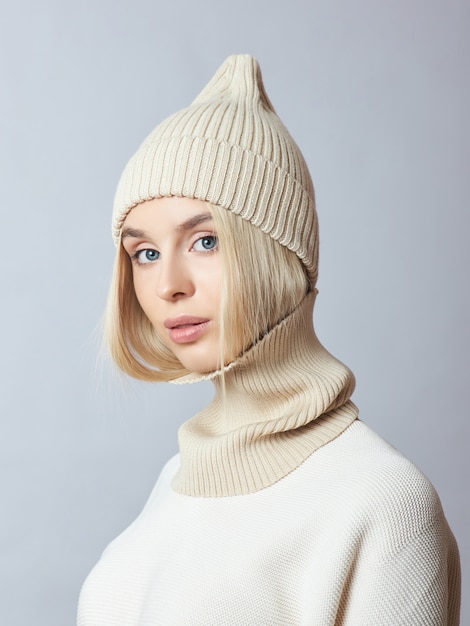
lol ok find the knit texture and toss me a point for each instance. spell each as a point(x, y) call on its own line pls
point(355, 536)
point(275, 405)
point(229, 148)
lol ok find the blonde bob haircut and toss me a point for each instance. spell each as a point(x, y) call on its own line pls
point(263, 283)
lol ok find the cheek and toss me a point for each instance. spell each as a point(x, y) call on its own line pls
point(211, 278)
point(143, 295)
point(138, 290)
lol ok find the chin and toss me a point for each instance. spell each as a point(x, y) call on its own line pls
point(200, 362)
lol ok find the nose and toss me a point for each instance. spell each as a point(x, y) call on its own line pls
point(174, 279)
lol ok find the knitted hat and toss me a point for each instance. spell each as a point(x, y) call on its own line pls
point(229, 148)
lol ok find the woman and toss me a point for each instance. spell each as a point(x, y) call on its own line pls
point(282, 508)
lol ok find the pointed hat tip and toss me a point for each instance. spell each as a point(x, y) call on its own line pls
point(238, 76)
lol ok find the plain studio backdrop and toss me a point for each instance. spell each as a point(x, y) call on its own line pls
point(376, 94)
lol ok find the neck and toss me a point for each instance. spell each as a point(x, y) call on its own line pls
point(274, 406)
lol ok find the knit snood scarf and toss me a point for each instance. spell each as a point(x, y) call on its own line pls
point(274, 406)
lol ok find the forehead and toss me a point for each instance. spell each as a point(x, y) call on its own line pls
point(171, 210)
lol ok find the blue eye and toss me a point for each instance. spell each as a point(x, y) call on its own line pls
point(206, 243)
point(146, 256)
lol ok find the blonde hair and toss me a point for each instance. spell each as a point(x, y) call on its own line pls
point(263, 283)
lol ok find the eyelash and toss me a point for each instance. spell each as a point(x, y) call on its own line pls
point(136, 255)
point(209, 236)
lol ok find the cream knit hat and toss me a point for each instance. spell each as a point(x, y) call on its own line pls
point(229, 148)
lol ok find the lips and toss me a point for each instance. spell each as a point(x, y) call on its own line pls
point(186, 328)
point(184, 320)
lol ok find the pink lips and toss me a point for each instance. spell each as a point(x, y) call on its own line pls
point(186, 328)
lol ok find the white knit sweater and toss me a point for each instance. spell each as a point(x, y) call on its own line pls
point(355, 536)
point(282, 509)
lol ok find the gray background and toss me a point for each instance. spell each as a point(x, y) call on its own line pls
point(376, 94)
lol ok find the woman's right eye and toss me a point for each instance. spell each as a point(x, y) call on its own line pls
point(148, 255)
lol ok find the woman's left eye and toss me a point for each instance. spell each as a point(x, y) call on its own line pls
point(206, 243)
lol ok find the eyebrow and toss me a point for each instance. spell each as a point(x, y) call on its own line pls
point(133, 232)
point(188, 224)
point(194, 221)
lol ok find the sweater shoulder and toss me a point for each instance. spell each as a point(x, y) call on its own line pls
point(378, 486)
point(163, 485)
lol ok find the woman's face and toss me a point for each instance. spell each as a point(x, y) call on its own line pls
point(177, 273)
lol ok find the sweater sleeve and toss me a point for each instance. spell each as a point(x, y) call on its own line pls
point(407, 570)
point(403, 567)
point(418, 585)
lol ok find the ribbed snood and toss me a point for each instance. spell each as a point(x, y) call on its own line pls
point(274, 406)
